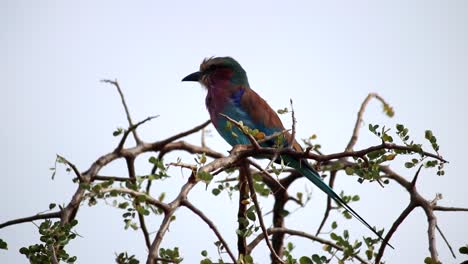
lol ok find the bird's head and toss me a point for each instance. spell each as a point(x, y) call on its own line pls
point(219, 71)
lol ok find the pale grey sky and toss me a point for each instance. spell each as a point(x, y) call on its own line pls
point(325, 56)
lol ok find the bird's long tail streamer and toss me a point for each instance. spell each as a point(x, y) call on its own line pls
point(305, 169)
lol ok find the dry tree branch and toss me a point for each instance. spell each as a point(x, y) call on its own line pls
point(210, 223)
point(328, 208)
point(292, 232)
point(357, 125)
point(127, 112)
point(253, 196)
point(242, 208)
point(72, 166)
point(141, 218)
point(132, 128)
point(294, 121)
point(31, 218)
point(446, 241)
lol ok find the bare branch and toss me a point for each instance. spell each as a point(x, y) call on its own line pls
point(127, 112)
point(446, 241)
point(72, 166)
point(357, 125)
point(242, 208)
point(153, 252)
point(183, 134)
point(132, 128)
point(210, 223)
point(450, 209)
point(31, 218)
point(148, 199)
point(253, 195)
point(393, 229)
point(111, 178)
point(53, 257)
point(331, 183)
point(432, 222)
point(293, 133)
point(292, 232)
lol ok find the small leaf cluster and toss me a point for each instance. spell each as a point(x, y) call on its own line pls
point(310, 145)
point(371, 244)
point(159, 169)
point(53, 235)
point(349, 250)
point(124, 258)
point(170, 254)
point(248, 221)
point(225, 186)
point(429, 260)
point(315, 259)
point(235, 130)
point(463, 250)
point(3, 244)
point(289, 259)
point(207, 260)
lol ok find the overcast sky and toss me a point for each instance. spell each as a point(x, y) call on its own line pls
point(325, 56)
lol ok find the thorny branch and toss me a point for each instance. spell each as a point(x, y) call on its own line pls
point(239, 155)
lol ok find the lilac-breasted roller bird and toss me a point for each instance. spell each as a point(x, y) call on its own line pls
point(229, 94)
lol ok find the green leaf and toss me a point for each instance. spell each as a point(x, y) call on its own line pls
point(334, 236)
point(463, 250)
point(305, 260)
point(251, 215)
point(409, 165)
point(3, 244)
point(334, 225)
point(204, 176)
point(52, 206)
point(24, 251)
point(429, 260)
point(355, 198)
point(117, 132)
point(206, 261)
point(204, 253)
point(216, 191)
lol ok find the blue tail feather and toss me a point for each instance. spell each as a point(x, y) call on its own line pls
point(305, 169)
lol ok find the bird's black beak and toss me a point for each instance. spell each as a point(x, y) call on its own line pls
point(194, 77)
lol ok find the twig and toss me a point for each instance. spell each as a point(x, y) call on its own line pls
point(292, 232)
point(293, 133)
point(392, 230)
point(252, 140)
point(210, 223)
point(357, 125)
point(253, 196)
point(182, 134)
point(131, 173)
point(331, 183)
point(183, 165)
point(110, 178)
point(53, 257)
point(31, 218)
point(72, 166)
point(132, 128)
point(446, 241)
point(153, 252)
point(449, 209)
point(127, 112)
point(242, 208)
point(148, 199)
